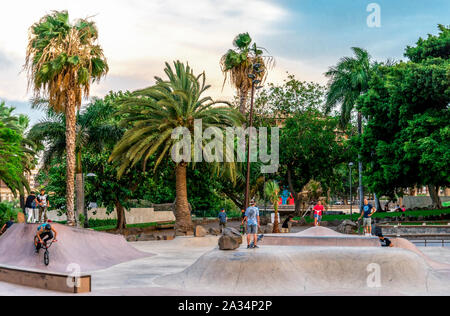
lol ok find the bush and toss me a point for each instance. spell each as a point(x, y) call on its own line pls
point(7, 210)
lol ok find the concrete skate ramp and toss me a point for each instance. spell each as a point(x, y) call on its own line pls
point(319, 231)
point(89, 249)
point(320, 236)
point(288, 270)
point(405, 244)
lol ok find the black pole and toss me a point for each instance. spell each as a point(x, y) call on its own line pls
point(247, 185)
point(351, 195)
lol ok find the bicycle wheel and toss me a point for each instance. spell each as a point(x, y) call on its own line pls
point(46, 258)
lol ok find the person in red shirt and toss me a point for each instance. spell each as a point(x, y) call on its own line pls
point(291, 200)
point(318, 211)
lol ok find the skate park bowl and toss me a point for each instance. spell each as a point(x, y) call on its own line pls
point(287, 265)
point(78, 251)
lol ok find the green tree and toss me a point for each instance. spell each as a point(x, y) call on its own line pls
point(237, 65)
point(312, 147)
point(95, 128)
point(293, 96)
point(407, 135)
point(348, 80)
point(153, 114)
point(62, 60)
point(16, 152)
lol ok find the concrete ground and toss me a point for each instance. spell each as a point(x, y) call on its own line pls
point(172, 257)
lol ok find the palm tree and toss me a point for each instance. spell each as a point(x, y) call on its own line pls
point(17, 155)
point(62, 61)
point(152, 114)
point(272, 190)
point(94, 130)
point(237, 64)
point(347, 81)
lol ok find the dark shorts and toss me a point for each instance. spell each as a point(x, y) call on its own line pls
point(46, 236)
point(252, 229)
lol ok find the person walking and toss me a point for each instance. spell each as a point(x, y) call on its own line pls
point(44, 204)
point(222, 220)
point(253, 222)
point(318, 212)
point(30, 205)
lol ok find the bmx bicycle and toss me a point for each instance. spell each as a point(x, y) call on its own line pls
point(46, 247)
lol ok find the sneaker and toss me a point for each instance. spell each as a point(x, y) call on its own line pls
point(255, 246)
point(248, 247)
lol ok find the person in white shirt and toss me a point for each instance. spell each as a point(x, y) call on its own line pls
point(44, 203)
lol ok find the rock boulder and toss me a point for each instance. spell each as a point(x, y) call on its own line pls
point(347, 227)
point(231, 239)
point(200, 231)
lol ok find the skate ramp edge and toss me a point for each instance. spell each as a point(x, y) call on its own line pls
point(292, 270)
point(320, 236)
point(336, 241)
point(406, 244)
point(48, 281)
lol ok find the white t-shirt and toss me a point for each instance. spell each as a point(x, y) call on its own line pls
point(42, 200)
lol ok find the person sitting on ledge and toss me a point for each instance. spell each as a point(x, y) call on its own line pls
point(7, 225)
point(285, 226)
point(385, 242)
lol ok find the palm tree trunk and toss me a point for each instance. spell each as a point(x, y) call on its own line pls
point(70, 152)
point(22, 202)
point(276, 224)
point(360, 166)
point(79, 187)
point(184, 225)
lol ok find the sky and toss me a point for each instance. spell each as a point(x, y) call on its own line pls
point(139, 36)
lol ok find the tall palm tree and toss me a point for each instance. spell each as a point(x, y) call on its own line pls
point(152, 115)
point(94, 130)
point(347, 81)
point(272, 191)
point(237, 64)
point(62, 61)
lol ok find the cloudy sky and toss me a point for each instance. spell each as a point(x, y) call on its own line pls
point(138, 36)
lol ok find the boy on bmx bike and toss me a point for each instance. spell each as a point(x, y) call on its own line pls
point(44, 234)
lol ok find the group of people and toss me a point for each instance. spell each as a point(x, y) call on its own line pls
point(251, 222)
point(398, 208)
point(36, 212)
point(36, 207)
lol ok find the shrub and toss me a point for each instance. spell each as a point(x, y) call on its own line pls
point(7, 210)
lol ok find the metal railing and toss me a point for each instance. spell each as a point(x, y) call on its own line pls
point(429, 242)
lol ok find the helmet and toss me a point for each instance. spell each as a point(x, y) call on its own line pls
point(48, 227)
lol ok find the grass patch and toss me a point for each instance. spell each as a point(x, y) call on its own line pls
point(143, 225)
point(428, 224)
point(415, 214)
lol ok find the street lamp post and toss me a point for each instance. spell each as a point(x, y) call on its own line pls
point(256, 70)
point(85, 210)
point(351, 195)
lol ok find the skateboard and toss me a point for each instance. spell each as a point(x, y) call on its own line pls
point(260, 237)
